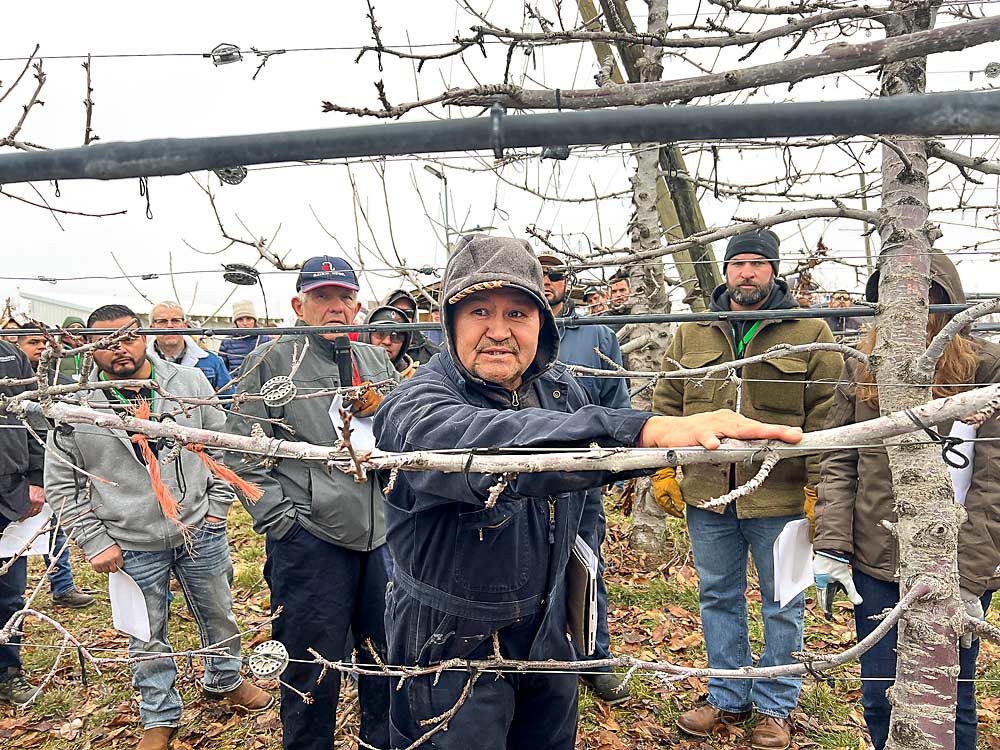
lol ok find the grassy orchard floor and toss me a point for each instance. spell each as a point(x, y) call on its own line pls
point(654, 615)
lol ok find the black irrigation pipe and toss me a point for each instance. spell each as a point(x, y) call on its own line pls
point(958, 113)
point(795, 313)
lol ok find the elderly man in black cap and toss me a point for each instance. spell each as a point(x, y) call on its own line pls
point(473, 574)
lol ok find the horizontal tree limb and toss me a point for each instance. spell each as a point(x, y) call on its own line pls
point(498, 462)
point(796, 26)
point(837, 58)
point(673, 672)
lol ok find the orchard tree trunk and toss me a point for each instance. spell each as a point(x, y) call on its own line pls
point(649, 294)
point(924, 696)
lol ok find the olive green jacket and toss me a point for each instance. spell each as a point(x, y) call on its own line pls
point(795, 390)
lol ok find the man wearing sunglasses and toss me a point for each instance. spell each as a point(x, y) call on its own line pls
point(577, 345)
point(843, 323)
point(395, 343)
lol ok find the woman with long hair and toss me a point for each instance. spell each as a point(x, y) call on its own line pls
point(855, 495)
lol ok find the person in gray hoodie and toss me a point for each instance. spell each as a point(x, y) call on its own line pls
point(471, 574)
point(326, 563)
point(151, 532)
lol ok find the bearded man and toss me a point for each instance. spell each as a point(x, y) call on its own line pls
point(794, 390)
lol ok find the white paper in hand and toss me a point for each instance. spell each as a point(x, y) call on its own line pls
point(792, 561)
point(362, 428)
point(128, 606)
point(961, 479)
point(17, 534)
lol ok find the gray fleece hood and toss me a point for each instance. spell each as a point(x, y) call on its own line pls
point(480, 262)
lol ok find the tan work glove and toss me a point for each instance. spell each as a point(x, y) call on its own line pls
point(367, 401)
point(667, 492)
point(809, 509)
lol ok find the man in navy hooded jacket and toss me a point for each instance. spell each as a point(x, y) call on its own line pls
point(464, 572)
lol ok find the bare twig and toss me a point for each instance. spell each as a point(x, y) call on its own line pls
point(780, 350)
point(88, 105)
point(925, 366)
point(21, 74)
point(753, 485)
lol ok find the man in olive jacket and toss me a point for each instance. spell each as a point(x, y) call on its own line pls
point(794, 390)
point(326, 557)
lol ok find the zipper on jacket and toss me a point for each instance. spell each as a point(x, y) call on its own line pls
point(494, 526)
point(514, 400)
point(552, 520)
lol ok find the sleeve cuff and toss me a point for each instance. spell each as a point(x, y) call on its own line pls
point(282, 526)
point(36, 478)
point(96, 545)
point(627, 433)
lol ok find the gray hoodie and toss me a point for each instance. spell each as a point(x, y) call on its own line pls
point(329, 504)
point(481, 262)
point(100, 515)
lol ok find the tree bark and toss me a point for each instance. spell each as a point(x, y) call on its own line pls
point(677, 204)
point(649, 294)
point(681, 192)
point(924, 695)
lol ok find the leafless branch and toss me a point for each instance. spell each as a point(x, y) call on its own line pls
point(835, 59)
point(924, 367)
point(712, 235)
point(963, 162)
point(871, 432)
point(21, 74)
point(781, 350)
point(64, 211)
point(769, 462)
point(797, 26)
point(11, 139)
point(88, 105)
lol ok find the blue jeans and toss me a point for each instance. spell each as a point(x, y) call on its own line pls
point(61, 578)
point(12, 585)
point(205, 573)
point(880, 662)
point(720, 543)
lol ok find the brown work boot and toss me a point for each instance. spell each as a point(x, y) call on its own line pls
point(247, 696)
point(157, 738)
point(704, 720)
point(771, 733)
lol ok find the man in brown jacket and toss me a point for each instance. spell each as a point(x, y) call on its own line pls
point(793, 390)
point(855, 496)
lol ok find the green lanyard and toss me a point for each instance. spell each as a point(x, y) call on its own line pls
point(742, 345)
point(128, 402)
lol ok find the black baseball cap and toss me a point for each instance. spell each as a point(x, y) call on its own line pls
point(326, 270)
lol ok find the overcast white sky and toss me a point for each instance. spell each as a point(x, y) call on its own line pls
point(186, 96)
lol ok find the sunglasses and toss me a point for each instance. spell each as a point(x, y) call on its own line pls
point(555, 275)
point(393, 336)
